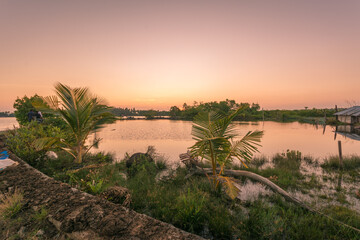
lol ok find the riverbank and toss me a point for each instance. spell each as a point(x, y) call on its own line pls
point(53, 210)
point(187, 201)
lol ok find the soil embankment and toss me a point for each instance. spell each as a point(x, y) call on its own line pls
point(78, 215)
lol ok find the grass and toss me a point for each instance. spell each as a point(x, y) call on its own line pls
point(192, 205)
point(258, 161)
point(11, 204)
point(281, 220)
point(350, 163)
point(40, 215)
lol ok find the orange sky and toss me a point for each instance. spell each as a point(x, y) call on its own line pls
point(155, 54)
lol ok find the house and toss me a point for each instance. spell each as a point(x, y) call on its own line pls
point(350, 115)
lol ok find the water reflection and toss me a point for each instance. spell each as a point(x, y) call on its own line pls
point(8, 123)
point(348, 131)
point(174, 137)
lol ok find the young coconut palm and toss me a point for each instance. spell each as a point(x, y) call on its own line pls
point(215, 141)
point(83, 114)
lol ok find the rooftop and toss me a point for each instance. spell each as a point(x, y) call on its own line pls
point(353, 111)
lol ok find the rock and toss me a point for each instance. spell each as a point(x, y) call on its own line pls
point(118, 195)
point(138, 158)
point(51, 155)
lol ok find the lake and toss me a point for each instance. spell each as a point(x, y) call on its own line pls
point(171, 137)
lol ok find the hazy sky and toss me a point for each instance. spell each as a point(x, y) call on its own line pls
point(155, 54)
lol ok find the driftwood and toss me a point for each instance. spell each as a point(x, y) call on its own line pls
point(187, 158)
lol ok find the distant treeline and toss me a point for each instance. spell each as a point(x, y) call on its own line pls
point(250, 112)
point(6, 114)
point(132, 112)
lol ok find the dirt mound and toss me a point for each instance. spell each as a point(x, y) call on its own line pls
point(78, 215)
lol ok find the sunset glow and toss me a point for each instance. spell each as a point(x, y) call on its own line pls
point(156, 54)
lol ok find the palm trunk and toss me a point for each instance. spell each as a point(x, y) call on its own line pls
point(79, 154)
point(213, 163)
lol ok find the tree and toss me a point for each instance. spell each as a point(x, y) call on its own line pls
point(175, 112)
point(83, 114)
point(215, 137)
point(23, 106)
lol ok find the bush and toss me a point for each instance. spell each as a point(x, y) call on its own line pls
point(190, 211)
point(290, 160)
point(21, 141)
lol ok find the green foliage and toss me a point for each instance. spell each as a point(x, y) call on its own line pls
point(41, 215)
point(141, 165)
point(258, 161)
point(190, 211)
point(83, 114)
point(350, 163)
point(21, 141)
point(288, 161)
point(7, 114)
point(25, 104)
point(150, 114)
point(214, 135)
point(175, 112)
point(11, 204)
point(95, 186)
point(281, 220)
point(99, 157)
point(252, 112)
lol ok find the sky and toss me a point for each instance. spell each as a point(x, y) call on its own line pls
point(282, 54)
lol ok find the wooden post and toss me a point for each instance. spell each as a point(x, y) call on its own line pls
point(336, 116)
point(340, 155)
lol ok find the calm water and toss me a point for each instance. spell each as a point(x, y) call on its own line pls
point(174, 137)
point(7, 123)
point(171, 138)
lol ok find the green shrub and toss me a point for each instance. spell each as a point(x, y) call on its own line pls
point(21, 141)
point(290, 160)
point(190, 210)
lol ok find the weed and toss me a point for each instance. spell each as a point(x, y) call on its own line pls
point(189, 208)
point(258, 161)
point(40, 215)
point(11, 204)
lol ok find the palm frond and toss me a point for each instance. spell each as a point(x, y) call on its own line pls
point(231, 190)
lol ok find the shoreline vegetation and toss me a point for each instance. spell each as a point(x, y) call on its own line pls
point(170, 194)
point(249, 112)
point(208, 202)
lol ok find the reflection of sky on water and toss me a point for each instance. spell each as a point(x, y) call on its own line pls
point(7, 123)
point(174, 137)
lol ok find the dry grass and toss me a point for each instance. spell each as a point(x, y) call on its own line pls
point(11, 204)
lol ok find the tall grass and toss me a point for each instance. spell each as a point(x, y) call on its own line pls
point(11, 204)
point(349, 163)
